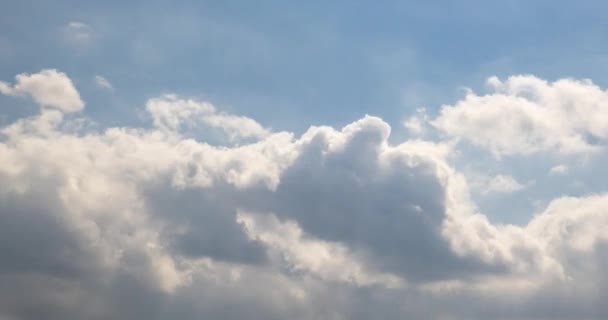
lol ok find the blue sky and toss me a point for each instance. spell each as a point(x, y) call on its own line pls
point(303, 160)
point(292, 65)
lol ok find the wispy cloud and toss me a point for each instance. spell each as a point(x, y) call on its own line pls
point(558, 170)
point(102, 82)
point(79, 35)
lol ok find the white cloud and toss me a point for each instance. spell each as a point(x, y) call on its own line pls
point(48, 88)
point(558, 170)
point(337, 223)
point(526, 115)
point(237, 127)
point(417, 124)
point(569, 225)
point(170, 113)
point(501, 184)
point(102, 82)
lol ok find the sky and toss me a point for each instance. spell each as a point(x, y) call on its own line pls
point(303, 160)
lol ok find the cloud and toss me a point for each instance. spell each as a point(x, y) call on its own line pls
point(78, 34)
point(417, 124)
point(328, 260)
point(526, 115)
point(336, 223)
point(237, 127)
point(102, 82)
point(171, 113)
point(396, 200)
point(501, 184)
point(558, 170)
point(48, 88)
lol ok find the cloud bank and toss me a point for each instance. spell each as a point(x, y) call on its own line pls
point(336, 223)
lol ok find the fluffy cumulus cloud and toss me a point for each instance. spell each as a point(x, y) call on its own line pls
point(49, 88)
point(336, 223)
point(525, 115)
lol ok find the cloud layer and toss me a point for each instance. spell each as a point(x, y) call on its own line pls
point(337, 223)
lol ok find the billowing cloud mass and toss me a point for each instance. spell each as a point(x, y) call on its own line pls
point(526, 115)
point(336, 223)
